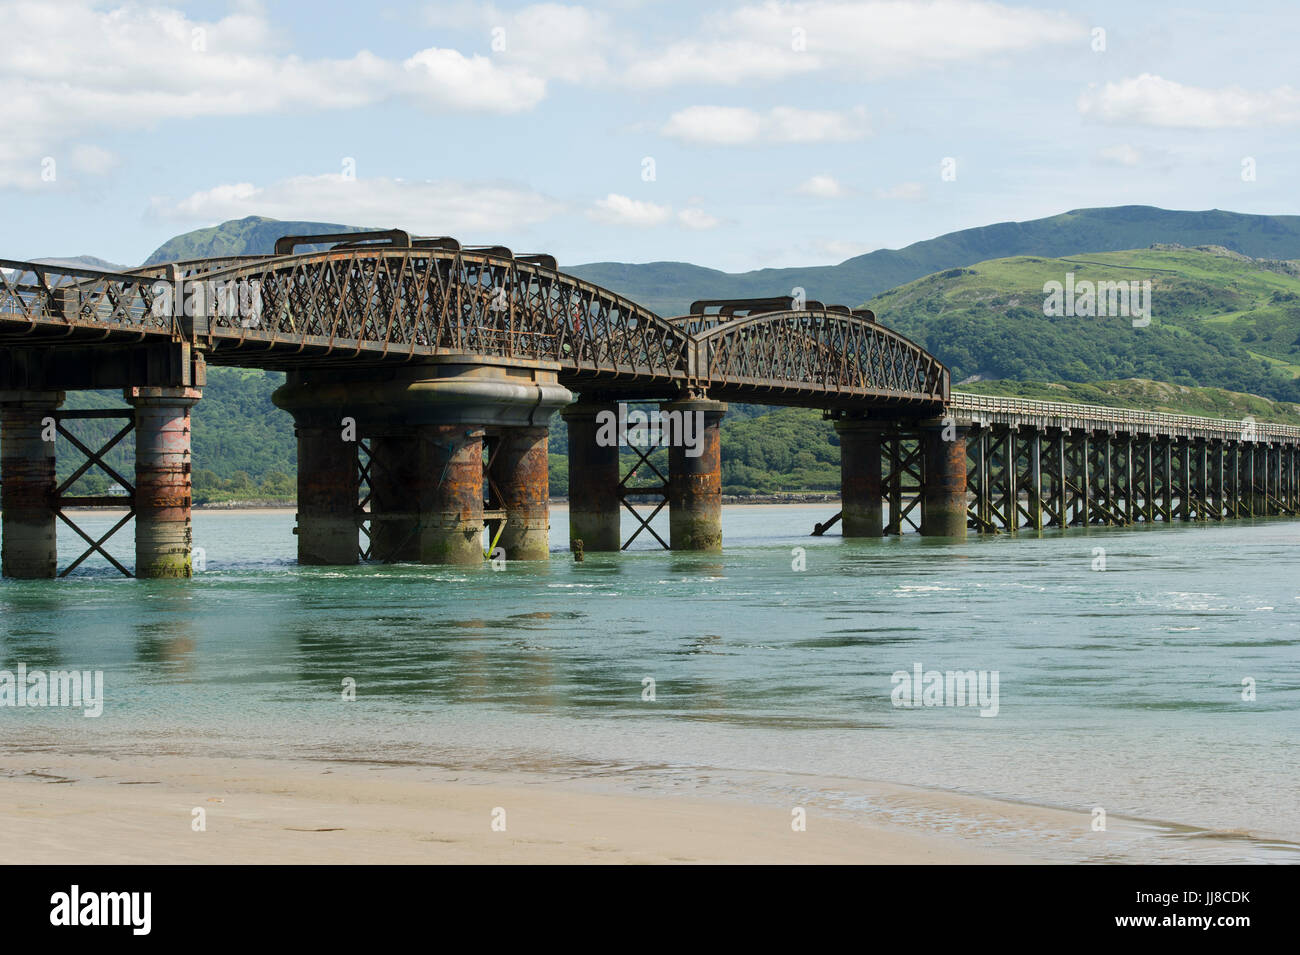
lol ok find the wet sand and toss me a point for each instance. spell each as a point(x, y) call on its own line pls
point(89, 809)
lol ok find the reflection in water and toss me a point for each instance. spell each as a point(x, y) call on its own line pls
point(757, 665)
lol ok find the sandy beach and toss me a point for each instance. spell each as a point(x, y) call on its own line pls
point(88, 809)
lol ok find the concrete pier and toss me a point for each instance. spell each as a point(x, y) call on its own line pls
point(328, 481)
point(695, 482)
point(425, 425)
point(27, 484)
point(943, 496)
point(595, 511)
point(862, 506)
point(394, 507)
point(520, 470)
point(427, 495)
point(327, 494)
point(449, 494)
point(163, 494)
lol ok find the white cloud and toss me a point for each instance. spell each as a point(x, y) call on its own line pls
point(905, 190)
point(698, 219)
point(883, 37)
point(431, 208)
point(1150, 100)
point(82, 66)
point(615, 209)
point(1121, 155)
point(622, 210)
point(721, 62)
point(821, 187)
point(735, 126)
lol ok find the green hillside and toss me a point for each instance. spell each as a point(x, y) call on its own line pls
point(1218, 319)
point(670, 287)
point(254, 235)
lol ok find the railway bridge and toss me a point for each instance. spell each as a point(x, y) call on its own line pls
point(422, 375)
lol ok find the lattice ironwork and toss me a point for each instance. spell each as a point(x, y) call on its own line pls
point(659, 490)
point(94, 458)
point(365, 302)
point(825, 351)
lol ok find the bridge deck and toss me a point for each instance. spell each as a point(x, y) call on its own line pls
point(370, 304)
point(989, 409)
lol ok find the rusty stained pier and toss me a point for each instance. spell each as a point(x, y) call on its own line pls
point(422, 375)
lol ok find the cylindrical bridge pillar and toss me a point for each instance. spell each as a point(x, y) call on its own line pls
point(695, 475)
point(163, 535)
point(27, 483)
point(328, 489)
point(595, 510)
point(520, 472)
point(394, 511)
point(328, 479)
point(943, 496)
point(861, 503)
point(427, 495)
point(449, 493)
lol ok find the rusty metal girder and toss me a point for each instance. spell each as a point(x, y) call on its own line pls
point(407, 300)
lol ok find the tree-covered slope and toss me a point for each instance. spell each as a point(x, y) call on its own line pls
point(1217, 319)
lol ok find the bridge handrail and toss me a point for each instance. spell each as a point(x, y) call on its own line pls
point(1030, 407)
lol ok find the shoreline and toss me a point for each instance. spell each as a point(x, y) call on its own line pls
point(97, 808)
point(135, 801)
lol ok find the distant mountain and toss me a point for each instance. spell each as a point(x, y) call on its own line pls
point(669, 287)
point(253, 235)
point(1218, 319)
point(84, 262)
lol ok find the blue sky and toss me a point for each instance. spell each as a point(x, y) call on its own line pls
point(779, 133)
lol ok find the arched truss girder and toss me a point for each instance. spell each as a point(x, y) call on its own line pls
point(381, 303)
point(817, 351)
point(378, 304)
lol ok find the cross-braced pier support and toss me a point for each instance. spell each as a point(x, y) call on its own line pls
point(1025, 477)
point(27, 483)
point(691, 490)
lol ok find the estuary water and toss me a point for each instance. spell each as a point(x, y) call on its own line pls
point(1126, 689)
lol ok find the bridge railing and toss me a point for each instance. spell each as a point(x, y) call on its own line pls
point(1061, 413)
point(79, 297)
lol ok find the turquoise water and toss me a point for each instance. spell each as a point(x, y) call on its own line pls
point(1119, 689)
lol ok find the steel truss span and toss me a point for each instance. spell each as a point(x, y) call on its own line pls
point(365, 304)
